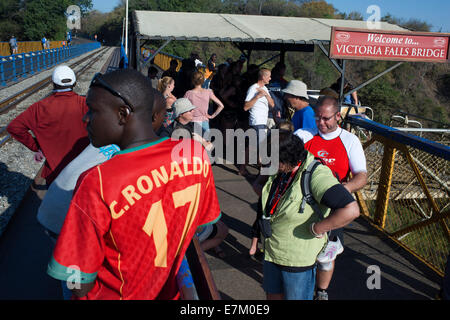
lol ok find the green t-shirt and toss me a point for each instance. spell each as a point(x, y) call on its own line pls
point(292, 243)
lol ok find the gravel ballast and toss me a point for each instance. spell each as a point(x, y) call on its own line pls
point(17, 165)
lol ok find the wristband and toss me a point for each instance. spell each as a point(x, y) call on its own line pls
point(314, 233)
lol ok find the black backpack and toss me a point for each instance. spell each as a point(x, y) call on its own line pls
point(306, 189)
point(264, 221)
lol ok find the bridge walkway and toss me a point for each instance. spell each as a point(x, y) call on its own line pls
point(25, 251)
point(238, 277)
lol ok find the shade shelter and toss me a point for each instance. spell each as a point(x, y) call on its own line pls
point(248, 33)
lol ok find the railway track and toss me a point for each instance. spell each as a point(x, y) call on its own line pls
point(10, 103)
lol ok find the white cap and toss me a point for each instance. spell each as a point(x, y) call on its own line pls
point(63, 76)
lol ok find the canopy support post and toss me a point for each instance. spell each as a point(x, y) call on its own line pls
point(270, 59)
point(155, 53)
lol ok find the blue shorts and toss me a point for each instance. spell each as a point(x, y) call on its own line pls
point(294, 285)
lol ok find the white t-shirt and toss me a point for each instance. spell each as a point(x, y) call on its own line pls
point(259, 113)
point(53, 209)
point(353, 147)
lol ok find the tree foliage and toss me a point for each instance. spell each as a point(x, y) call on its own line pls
point(32, 19)
point(11, 17)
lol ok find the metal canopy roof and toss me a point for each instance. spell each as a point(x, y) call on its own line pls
point(164, 25)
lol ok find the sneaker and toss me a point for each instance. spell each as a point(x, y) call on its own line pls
point(330, 252)
point(321, 295)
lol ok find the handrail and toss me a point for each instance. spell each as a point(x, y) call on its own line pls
point(397, 135)
point(407, 194)
point(24, 64)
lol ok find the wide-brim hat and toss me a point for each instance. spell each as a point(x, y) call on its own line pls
point(63, 76)
point(297, 88)
point(181, 106)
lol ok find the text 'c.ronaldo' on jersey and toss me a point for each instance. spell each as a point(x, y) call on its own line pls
point(132, 218)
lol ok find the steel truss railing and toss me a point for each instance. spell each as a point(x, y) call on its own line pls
point(407, 194)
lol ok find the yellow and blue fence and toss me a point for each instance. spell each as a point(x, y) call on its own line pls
point(22, 65)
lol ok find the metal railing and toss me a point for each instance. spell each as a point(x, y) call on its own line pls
point(407, 194)
point(23, 65)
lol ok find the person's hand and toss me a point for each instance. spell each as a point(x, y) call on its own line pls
point(39, 156)
point(209, 146)
point(313, 231)
point(261, 93)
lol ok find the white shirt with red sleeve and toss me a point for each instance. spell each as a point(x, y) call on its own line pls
point(341, 150)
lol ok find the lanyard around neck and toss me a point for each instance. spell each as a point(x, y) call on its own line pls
point(278, 195)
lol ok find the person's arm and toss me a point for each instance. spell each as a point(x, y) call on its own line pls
point(355, 97)
point(86, 223)
point(358, 167)
point(269, 99)
point(337, 219)
point(19, 129)
point(83, 290)
point(357, 182)
point(219, 103)
point(249, 104)
point(330, 193)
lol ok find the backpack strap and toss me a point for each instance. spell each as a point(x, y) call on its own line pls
point(306, 189)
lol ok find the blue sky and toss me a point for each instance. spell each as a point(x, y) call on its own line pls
point(434, 12)
point(105, 5)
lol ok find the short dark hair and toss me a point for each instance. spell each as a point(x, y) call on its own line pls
point(291, 148)
point(262, 72)
point(134, 86)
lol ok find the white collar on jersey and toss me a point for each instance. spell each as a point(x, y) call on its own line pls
point(331, 135)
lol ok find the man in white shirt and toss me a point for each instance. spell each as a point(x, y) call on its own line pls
point(257, 102)
point(342, 151)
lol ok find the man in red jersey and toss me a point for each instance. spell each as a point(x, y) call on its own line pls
point(57, 124)
point(132, 217)
point(343, 153)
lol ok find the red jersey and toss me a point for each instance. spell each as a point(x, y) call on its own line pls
point(333, 153)
point(341, 150)
point(132, 218)
point(57, 124)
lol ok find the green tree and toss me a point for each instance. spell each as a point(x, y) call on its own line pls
point(411, 24)
point(11, 19)
point(317, 9)
point(45, 18)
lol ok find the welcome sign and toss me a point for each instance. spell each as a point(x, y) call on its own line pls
point(362, 44)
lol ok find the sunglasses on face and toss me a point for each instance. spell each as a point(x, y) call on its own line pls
point(317, 118)
point(97, 81)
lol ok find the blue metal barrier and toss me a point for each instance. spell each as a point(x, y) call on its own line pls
point(23, 65)
point(426, 145)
